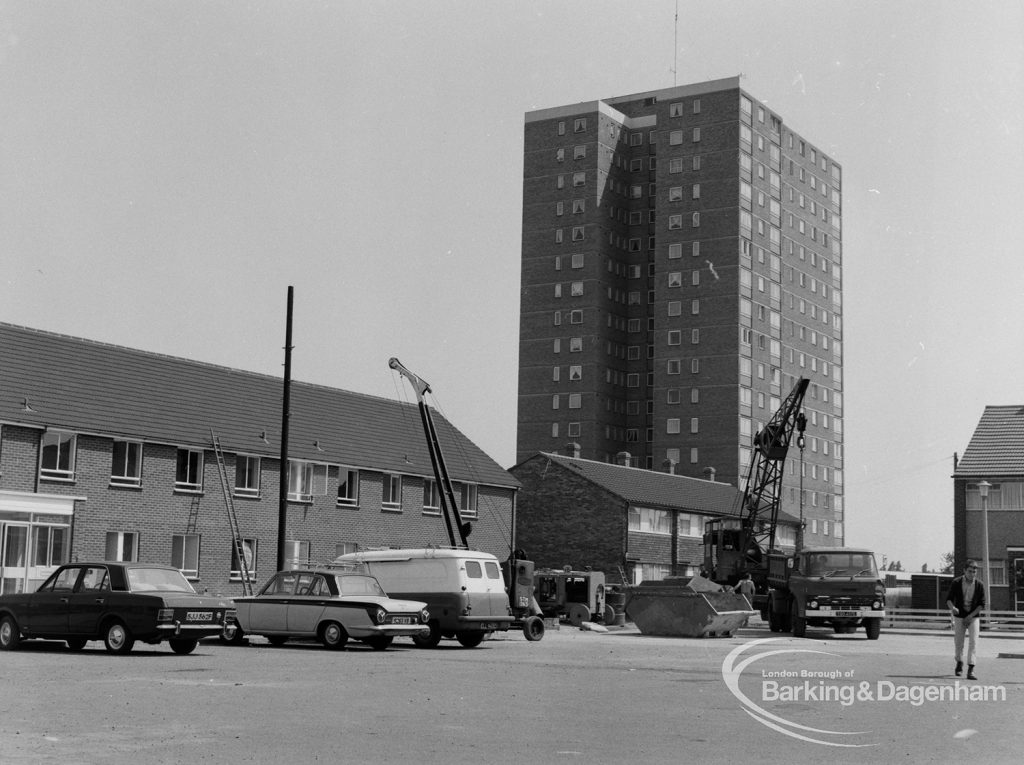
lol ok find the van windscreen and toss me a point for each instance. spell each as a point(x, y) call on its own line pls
point(473, 570)
point(492, 570)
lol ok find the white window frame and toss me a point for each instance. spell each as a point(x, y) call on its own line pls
point(57, 449)
point(191, 480)
point(129, 465)
point(185, 549)
point(350, 498)
point(391, 492)
point(249, 465)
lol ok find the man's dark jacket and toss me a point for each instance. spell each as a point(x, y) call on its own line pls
point(956, 596)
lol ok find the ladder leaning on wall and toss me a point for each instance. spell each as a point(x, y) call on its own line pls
point(236, 536)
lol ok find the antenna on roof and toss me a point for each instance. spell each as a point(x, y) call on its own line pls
point(675, 50)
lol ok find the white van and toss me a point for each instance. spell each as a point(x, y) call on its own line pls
point(463, 589)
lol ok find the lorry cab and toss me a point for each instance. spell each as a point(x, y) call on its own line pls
point(463, 589)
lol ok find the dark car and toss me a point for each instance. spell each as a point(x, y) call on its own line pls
point(115, 602)
point(330, 606)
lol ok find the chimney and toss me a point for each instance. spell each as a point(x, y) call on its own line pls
point(624, 458)
point(573, 449)
point(670, 466)
point(709, 473)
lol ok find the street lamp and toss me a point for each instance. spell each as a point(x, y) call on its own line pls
point(983, 488)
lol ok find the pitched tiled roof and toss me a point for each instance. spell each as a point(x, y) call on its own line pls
point(51, 380)
point(997, 446)
point(646, 487)
point(661, 490)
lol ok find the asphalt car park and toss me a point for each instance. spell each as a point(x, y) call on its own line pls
point(575, 696)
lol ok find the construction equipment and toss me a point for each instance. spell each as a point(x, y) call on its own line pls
point(575, 596)
point(686, 607)
point(238, 545)
point(789, 591)
point(518, 575)
point(738, 545)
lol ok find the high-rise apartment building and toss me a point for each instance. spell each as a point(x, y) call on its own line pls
point(681, 269)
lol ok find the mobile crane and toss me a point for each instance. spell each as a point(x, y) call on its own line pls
point(835, 586)
point(519, 582)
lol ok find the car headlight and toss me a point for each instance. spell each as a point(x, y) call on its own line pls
point(424, 616)
point(380, 615)
point(877, 605)
point(813, 604)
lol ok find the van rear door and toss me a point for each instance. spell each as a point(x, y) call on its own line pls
point(485, 588)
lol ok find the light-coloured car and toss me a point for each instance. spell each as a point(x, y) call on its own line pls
point(328, 605)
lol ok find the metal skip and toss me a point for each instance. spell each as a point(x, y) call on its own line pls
point(686, 607)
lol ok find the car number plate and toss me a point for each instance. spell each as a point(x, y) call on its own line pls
point(402, 620)
point(199, 616)
point(847, 613)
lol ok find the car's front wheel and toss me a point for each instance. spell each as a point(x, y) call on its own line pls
point(10, 635)
point(380, 642)
point(117, 637)
point(333, 636)
point(184, 646)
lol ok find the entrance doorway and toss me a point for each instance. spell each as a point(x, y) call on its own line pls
point(13, 557)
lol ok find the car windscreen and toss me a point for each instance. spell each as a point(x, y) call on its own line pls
point(157, 580)
point(358, 585)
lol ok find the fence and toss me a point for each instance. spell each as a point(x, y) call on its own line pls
point(938, 619)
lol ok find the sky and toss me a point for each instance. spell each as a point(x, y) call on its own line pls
point(169, 169)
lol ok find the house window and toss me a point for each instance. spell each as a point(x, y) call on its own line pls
point(576, 289)
point(391, 492)
point(689, 525)
point(675, 279)
point(574, 430)
point(579, 124)
point(695, 220)
point(49, 543)
point(577, 260)
point(306, 480)
point(579, 179)
point(185, 553)
point(57, 455)
point(431, 497)
point(676, 109)
point(675, 193)
point(696, 134)
point(247, 476)
point(675, 221)
point(676, 165)
point(696, 191)
point(578, 205)
point(575, 317)
point(468, 504)
point(672, 425)
point(578, 152)
point(575, 344)
point(675, 137)
point(122, 545)
point(674, 366)
point(249, 554)
point(577, 233)
point(675, 308)
point(694, 424)
point(126, 469)
point(575, 400)
point(348, 487)
point(675, 251)
point(188, 475)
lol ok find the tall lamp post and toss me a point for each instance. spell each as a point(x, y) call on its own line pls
point(983, 488)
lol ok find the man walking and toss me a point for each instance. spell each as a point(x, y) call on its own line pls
point(965, 601)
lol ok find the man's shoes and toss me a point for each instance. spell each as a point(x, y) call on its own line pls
point(959, 668)
point(970, 673)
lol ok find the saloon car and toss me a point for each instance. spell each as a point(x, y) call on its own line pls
point(327, 605)
point(116, 602)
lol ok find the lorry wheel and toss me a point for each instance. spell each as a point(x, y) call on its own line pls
point(873, 627)
point(799, 626)
point(533, 628)
point(430, 639)
point(470, 639)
